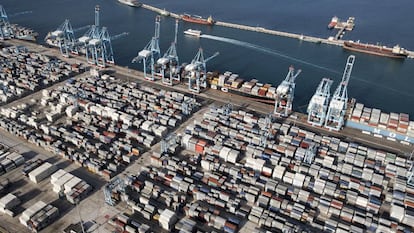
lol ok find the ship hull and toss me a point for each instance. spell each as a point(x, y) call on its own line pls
point(263, 99)
point(198, 21)
point(386, 52)
point(195, 33)
point(378, 132)
point(132, 4)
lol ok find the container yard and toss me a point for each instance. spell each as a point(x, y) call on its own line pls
point(290, 179)
point(24, 72)
point(99, 123)
point(222, 169)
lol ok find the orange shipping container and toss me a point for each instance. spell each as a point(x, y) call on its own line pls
point(199, 149)
point(135, 151)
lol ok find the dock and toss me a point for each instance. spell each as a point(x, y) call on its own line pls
point(354, 157)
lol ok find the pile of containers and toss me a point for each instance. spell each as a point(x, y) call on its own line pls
point(74, 188)
point(282, 184)
point(8, 203)
point(38, 216)
point(42, 172)
point(107, 121)
point(233, 82)
point(345, 184)
point(24, 72)
point(126, 224)
point(9, 161)
point(393, 125)
point(176, 181)
point(167, 219)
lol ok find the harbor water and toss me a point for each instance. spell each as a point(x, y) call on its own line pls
point(376, 81)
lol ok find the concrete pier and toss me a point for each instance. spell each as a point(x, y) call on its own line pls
point(331, 41)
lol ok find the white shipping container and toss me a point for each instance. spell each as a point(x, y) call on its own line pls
point(9, 201)
point(58, 174)
point(71, 184)
point(58, 185)
point(41, 172)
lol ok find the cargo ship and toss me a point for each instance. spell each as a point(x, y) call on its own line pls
point(333, 22)
point(393, 126)
point(232, 83)
point(193, 32)
point(133, 3)
point(394, 52)
point(197, 19)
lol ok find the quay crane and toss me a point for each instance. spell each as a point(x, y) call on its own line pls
point(64, 36)
point(151, 52)
point(285, 93)
point(97, 44)
point(6, 31)
point(196, 71)
point(318, 105)
point(339, 103)
point(169, 62)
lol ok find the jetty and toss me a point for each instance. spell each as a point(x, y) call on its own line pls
point(332, 40)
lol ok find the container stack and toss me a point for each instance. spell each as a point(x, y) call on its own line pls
point(9, 161)
point(74, 188)
point(8, 203)
point(393, 126)
point(109, 121)
point(25, 72)
point(234, 83)
point(42, 172)
point(167, 219)
point(38, 216)
point(31, 165)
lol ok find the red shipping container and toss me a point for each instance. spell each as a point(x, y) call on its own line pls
point(199, 149)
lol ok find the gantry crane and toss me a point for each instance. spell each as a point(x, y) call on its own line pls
point(318, 105)
point(169, 62)
point(97, 44)
point(410, 174)
point(64, 35)
point(6, 31)
point(115, 185)
point(335, 118)
point(310, 153)
point(267, 132)
point(196, 71)
point(169, 142)
point(285, 93)
point(151, 52)
point(91, 38)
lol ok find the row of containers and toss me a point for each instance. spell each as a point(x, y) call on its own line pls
point(234, 82)
point(345, 183)
point(163, 195)
point(8, 203)
point(72, 187)
point(9, 160)
point(24, 72)
point(393, 126)
point(38, 216)
point(105, 121)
